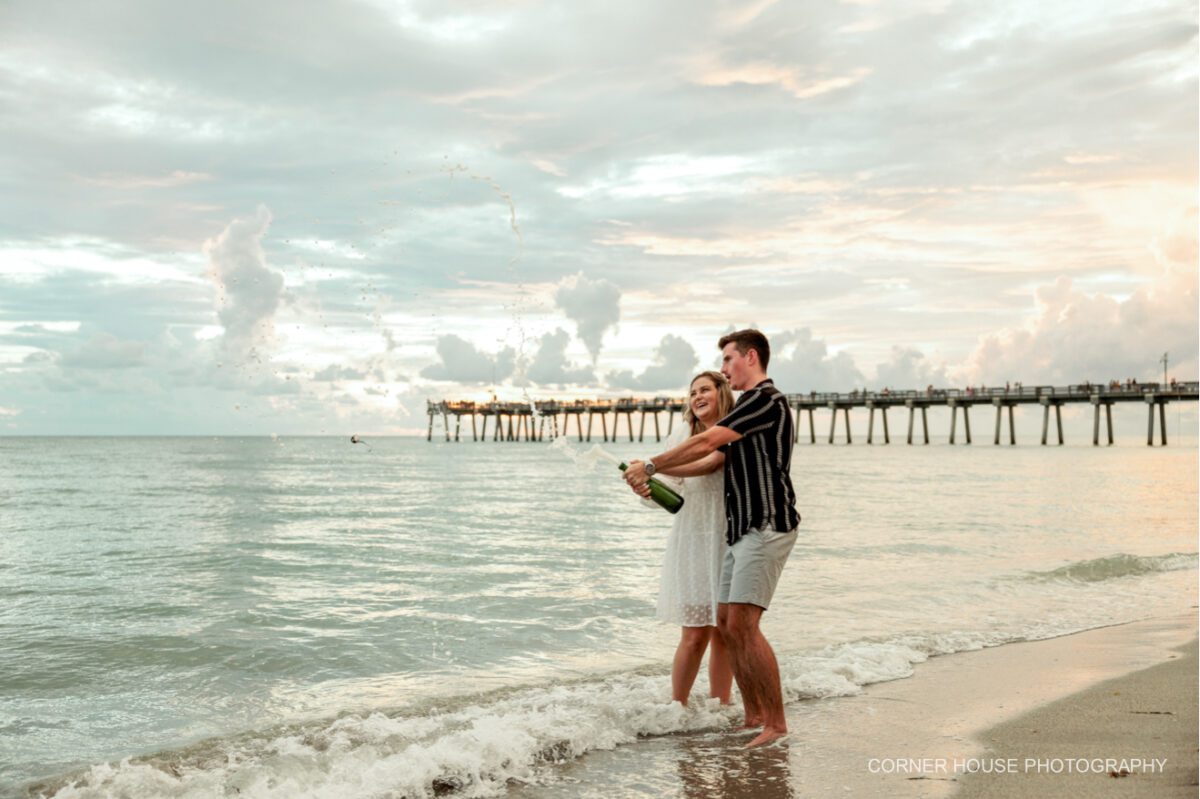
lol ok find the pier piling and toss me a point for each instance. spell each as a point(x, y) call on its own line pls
point(1012, 432)
point(1151, 401)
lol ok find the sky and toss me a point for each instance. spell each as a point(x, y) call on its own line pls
point(299, 217)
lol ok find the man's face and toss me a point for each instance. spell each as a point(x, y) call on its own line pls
point(734, 366)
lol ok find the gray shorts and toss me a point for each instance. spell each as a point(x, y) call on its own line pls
point(753, 565)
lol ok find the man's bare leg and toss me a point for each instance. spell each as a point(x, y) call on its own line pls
point(756, 670)
point(753, 715)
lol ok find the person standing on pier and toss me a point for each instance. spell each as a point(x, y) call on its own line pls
point(760, 518)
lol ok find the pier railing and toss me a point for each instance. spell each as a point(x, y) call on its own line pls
point(531, 421)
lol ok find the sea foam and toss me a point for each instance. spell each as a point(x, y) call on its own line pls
point(478, 748)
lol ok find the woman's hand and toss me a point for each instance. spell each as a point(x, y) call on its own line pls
point(635, 475)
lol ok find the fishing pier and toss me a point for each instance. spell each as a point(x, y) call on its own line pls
point(524, 421)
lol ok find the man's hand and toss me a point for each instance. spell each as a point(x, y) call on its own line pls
point(635, 475)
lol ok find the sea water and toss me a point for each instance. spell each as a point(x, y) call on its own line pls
point(291, 617)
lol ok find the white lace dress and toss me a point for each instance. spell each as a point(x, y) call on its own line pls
point(691, 570)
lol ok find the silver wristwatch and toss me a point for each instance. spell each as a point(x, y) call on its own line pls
point(649, 466)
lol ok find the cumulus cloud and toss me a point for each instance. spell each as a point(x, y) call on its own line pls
point(908, 368)
point(550, 364)
point(249, 292)
point(674, 363)
point(593, 305)
point(801, 363)
point(461, 362)
point(1078, 335)
point(106, 351)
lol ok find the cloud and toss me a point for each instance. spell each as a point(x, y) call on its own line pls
point(908, 369)
point(248, 291)
point(796, 82)
point(594, 306)
point(462, 363)
point(1079, 335)
point(274, 387)
point(864, 169)
point(801, 363)
point(674, 364)
point(550, 365)
point(335, 372)
point(1179, 245)
point(106, 351)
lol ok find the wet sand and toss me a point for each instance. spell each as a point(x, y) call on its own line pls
point(1012, 707)
point(1137, 735)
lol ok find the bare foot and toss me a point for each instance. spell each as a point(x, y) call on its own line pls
point(749, 725)
point(765, 737)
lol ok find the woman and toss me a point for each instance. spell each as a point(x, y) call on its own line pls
point(696, 547)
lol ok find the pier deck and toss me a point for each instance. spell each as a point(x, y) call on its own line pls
point(517, 421)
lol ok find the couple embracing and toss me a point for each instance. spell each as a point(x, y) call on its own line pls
point(737, 527)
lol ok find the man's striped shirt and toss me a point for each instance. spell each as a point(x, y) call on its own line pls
point(758, 486)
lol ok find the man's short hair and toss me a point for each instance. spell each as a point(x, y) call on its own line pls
point(748, 339)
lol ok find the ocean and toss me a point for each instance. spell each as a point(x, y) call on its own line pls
point(303, 617)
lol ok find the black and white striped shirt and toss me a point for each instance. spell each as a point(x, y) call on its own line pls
point(758, 486)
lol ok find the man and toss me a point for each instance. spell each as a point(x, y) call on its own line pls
point(760, 517)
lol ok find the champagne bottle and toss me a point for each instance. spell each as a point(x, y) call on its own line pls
point(661, 494)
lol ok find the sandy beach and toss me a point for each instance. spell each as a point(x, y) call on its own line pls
point(1126, 693)
point(966, 713)
point(1146, 722)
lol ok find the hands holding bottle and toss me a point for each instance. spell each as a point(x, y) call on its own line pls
point(637, 478)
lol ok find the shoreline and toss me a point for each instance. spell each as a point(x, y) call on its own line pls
point(917, 736)
point(953, 706)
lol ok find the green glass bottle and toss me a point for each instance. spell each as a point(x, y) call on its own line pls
point(661, 494)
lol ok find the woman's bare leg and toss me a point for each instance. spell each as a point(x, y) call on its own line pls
point(720, 675)
point(692, 643)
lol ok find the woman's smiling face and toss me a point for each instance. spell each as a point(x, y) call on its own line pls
point(704, 400)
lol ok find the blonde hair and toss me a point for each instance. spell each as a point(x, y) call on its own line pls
point(724, 399)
